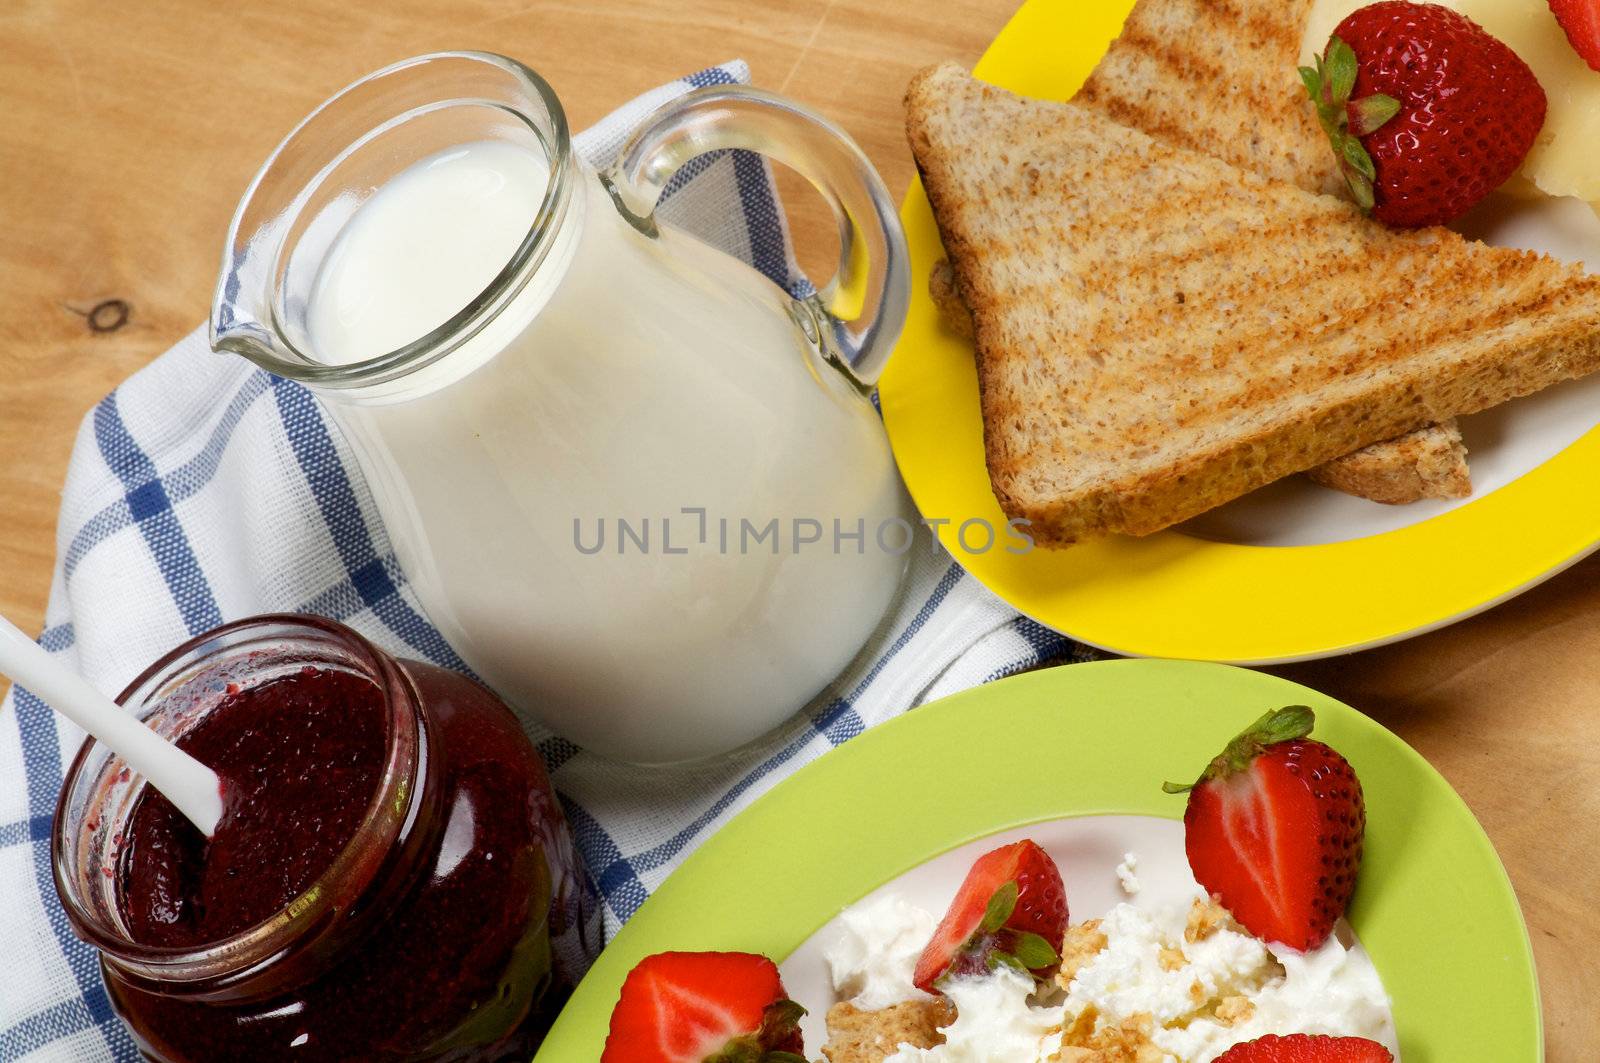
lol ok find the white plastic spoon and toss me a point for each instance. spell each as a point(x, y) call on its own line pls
point(191, 786)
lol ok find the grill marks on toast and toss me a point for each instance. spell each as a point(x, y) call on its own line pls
point(1305, 331)
point(1216, 76)
point(1145, 277)
point(1240, 106)
point(1182, 62)
point(1265, 24)
point(1241, 101)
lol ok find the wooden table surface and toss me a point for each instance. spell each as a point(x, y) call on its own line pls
point(128, 131)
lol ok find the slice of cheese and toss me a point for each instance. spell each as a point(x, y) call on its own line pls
point(1565, 159)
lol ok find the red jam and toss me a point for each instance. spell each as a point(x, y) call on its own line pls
point(458, 941)
point(300, 757)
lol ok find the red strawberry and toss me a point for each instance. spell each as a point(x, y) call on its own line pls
point(1011, 909)
point(1580, 19)
point(1305, 1048)
point(1427, 113)
point(704, 1007)
point(1274, 828)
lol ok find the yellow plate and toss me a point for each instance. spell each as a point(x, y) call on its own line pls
point(1173, 595)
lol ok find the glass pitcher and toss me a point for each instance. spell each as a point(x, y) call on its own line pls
point(639, 488)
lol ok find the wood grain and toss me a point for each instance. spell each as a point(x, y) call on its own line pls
point(128, 131)
point(1504, 705)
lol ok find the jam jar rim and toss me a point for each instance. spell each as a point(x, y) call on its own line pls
point(391, 816)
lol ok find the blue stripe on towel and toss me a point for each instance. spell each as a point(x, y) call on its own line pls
point(372, 580)
point(761, 215)
point(150, 507)
point(181, 483)
point(1046, 646)
point(42, 776)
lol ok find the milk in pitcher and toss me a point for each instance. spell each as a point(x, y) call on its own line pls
point(632, 380)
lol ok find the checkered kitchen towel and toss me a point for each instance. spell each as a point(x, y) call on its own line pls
point(203, 490)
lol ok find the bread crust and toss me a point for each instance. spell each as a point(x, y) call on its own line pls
point(1429, 463)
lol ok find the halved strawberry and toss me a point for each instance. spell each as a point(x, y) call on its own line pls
point(1274, 827)
point(704, 1007)
point(1580, 21)
point(1011, 908)
point(1307, 1048)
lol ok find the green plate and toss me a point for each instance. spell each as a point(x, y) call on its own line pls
point(1434, 907)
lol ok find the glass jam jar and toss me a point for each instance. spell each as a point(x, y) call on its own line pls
point(451, 925)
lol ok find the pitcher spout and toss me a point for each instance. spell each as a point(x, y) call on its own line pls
point(234, 327)
point(270, 304)
point(242, 318)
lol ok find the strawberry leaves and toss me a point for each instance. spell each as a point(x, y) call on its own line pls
point(780, 1024)
point(1010, 910)
point(994, 944)
point(1370, 112)
point(745, 1050)
point(1279, 725)
point(1001, 905)
point(1339, 69)
point(1033, 952)
point(1344, 120)
point(1028, 951)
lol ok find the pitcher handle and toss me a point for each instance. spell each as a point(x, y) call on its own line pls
point(858, 314)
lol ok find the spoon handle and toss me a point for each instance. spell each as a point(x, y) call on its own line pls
point(187, 783)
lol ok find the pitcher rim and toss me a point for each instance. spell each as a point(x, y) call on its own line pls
point(440, 340)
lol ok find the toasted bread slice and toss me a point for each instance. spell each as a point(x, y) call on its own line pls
point(1218, 76)
point(1159, 332)
point(1428, 463)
